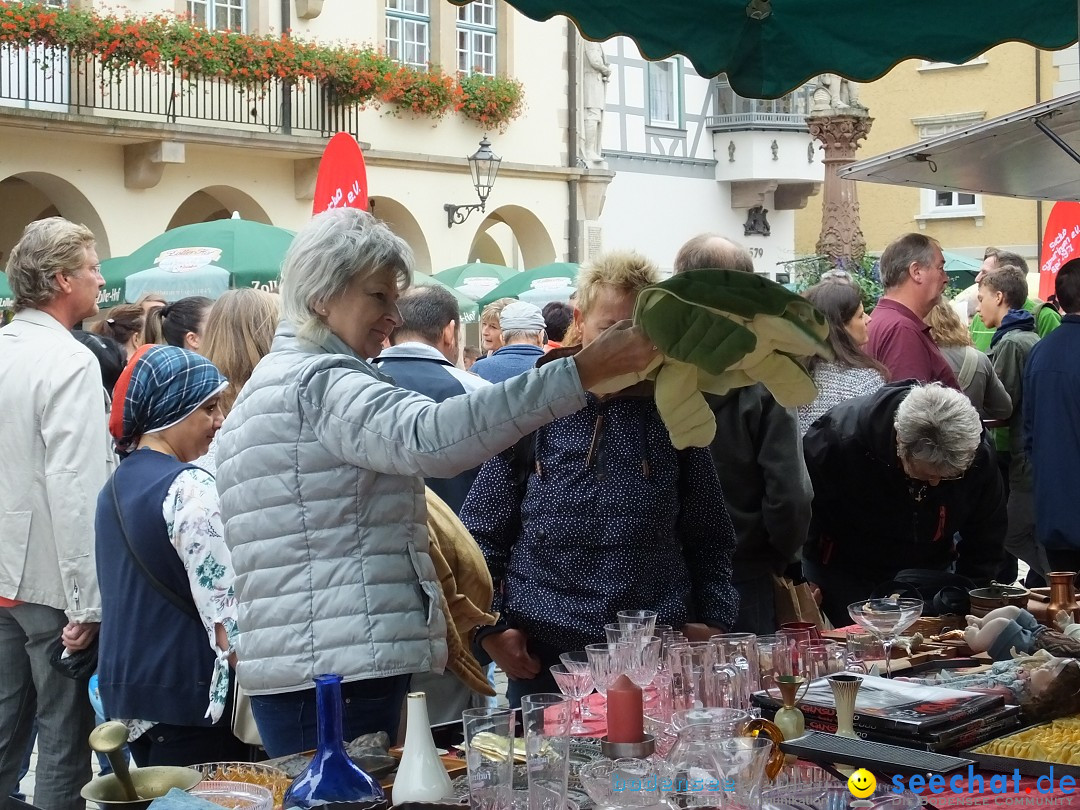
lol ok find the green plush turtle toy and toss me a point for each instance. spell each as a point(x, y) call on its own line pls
point(718, 330)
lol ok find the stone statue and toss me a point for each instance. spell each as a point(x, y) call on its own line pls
point(595, 74)
point(834, 93)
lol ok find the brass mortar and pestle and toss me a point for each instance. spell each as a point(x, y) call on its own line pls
point(122, 788)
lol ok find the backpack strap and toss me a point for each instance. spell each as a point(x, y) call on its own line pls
point(969, 367)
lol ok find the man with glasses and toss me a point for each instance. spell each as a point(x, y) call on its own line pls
point(913, 274)
point(57, 456)
point(897, 475)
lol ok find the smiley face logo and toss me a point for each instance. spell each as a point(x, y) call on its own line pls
point(861, 783)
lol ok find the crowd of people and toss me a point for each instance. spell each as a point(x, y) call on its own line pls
point(253, 491)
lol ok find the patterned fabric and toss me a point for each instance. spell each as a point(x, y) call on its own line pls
point(160, 387)
point(612, 518)
point(194, 522)
point(836, 384)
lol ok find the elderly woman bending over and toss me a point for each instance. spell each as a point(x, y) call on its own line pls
point(897, 475)
point(320, 470)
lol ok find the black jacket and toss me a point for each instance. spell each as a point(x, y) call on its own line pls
point(759, 460)
point(871, 521)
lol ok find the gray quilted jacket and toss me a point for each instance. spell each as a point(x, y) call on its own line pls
point(320, 470)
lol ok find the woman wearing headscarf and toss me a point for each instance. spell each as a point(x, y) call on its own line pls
point(168, 609)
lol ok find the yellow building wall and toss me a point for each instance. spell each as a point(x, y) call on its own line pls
point(1001, 81)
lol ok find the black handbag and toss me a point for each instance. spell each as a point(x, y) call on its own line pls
point(79, 666)
point(943, 593)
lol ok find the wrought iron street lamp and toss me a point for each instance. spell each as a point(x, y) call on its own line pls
point(484, 166)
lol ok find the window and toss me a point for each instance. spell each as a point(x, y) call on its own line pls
point(476, 37)
point(926, 65)
point(664, 97)
point(942, 203)
point(218, 14)
point(408, 23)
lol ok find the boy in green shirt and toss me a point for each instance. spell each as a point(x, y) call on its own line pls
point(1047, 319)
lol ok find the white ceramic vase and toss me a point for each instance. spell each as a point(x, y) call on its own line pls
point(421, 776)
point(844, 688)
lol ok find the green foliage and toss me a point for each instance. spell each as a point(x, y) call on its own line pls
point(809, 271)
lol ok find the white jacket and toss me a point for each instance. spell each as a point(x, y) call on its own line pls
point(320, 467)
point(55, 456)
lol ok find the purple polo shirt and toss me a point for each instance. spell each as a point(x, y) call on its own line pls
point(901, 342)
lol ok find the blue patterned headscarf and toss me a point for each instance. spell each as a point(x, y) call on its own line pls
point(161, 386)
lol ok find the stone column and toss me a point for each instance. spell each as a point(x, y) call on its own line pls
point(839, 132)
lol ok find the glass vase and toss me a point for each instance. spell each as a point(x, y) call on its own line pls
point(333, 779)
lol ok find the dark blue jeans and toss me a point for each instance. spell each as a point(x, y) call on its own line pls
point(288, 725)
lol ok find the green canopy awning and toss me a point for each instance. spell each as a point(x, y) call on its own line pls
point(469, 310)
point(550, 282)
point(476, 279)
point(250, 251)
point(769, 47)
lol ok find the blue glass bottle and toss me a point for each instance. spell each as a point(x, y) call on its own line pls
point(333, 779)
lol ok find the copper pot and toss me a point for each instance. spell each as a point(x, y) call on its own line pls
point(983, 600)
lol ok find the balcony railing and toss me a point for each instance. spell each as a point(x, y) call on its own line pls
point(56, 79)
point(734, 113)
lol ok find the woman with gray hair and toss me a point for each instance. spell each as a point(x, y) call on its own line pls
point(897, 476)
point(320, 469)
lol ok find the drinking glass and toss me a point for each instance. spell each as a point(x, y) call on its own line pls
point(607, 662)
point(547, 749)
point(624, 631)
point(644, 658)
point(489, 747)
point(740, 650)
point(823, 658)
point(645, 617)
point(776, 657)
point(886, 619)
point(579, 660)
point(576, 685)
point(864, 648)
point(689, 664)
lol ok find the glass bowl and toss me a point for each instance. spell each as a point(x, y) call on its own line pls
point(627, 782)
point(252, 773)
point(234, 795)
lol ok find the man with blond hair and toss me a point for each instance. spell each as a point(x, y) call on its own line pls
point(56, 459)
point(913, 274)
point(598, 512)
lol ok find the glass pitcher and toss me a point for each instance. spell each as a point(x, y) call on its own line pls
point(703, 757)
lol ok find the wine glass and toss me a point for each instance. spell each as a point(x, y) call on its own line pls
point(607, 662)
point(645, 617)
point(644, 660)
point(624, 631)
point(886, 619)
point(576, 685)
point(578, 660)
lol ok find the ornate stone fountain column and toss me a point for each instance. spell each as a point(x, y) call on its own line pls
point(839, 126)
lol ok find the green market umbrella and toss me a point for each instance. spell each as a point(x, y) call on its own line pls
point(769, 47)
point(960, 269)
point(476, 279)
point(250, 251)
point(550, 282)
point(469, 310)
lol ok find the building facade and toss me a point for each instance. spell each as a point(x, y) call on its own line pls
point(132, 152)
point(689, 156)
point(918, 100)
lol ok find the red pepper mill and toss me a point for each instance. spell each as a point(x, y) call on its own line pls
point(626, 735)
